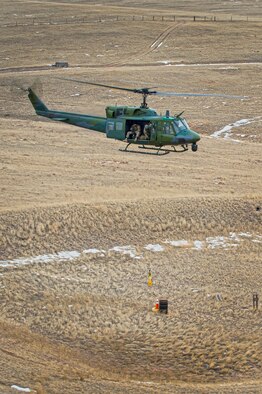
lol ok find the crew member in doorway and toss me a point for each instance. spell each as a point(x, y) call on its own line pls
point(148, 130)
point(134, 132)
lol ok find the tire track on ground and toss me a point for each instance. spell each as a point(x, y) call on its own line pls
point(163, 36)
point(156, 43)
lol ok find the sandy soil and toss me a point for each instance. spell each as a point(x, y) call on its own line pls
point(81, 223)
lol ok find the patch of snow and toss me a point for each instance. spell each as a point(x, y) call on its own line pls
point(164, 61)
point(93, 251)
point(228, 68)
point(234, 237)
point(232, 240)
point(45, 258)
point(68, 255)
point(226, 131)
point(245, 235)
point(222, 242)
point(214, 242)
point(178, 243)
point(218, 65)
point(24, 389)
point(155, 247)
point(198, 245)
point(258, 238)
point(128, 249)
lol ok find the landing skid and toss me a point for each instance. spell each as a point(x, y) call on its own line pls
point(159, 151)
point(185, 148)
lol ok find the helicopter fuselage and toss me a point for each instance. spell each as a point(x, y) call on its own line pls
point(164, 130)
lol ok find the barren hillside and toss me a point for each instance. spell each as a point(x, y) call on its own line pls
point(82, 223)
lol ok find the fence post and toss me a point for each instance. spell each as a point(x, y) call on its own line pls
point(255, 301)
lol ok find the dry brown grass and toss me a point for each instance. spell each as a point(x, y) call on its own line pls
point(87, 325)
point(49, 230)
point(101, 307)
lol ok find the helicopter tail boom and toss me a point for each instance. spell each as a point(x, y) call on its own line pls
point(96, 123)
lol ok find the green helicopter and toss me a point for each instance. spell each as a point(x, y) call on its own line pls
point(140, 126)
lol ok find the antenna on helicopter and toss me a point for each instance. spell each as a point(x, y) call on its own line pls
point(177, 116)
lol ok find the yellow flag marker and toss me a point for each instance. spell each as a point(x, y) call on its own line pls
point(150, 279)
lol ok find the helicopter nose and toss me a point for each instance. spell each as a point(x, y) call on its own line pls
point(188, 137)
point(194, 136)
point(191, 137)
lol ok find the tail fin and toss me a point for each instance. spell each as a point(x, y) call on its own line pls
point(36, 102)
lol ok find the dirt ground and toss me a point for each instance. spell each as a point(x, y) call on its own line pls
point(82, 223)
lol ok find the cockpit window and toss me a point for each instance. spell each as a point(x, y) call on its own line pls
point(180, 124)
point(169, 128)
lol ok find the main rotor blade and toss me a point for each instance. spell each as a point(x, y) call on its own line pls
point(147, 91)
point(98, 84)
point(199, 95)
